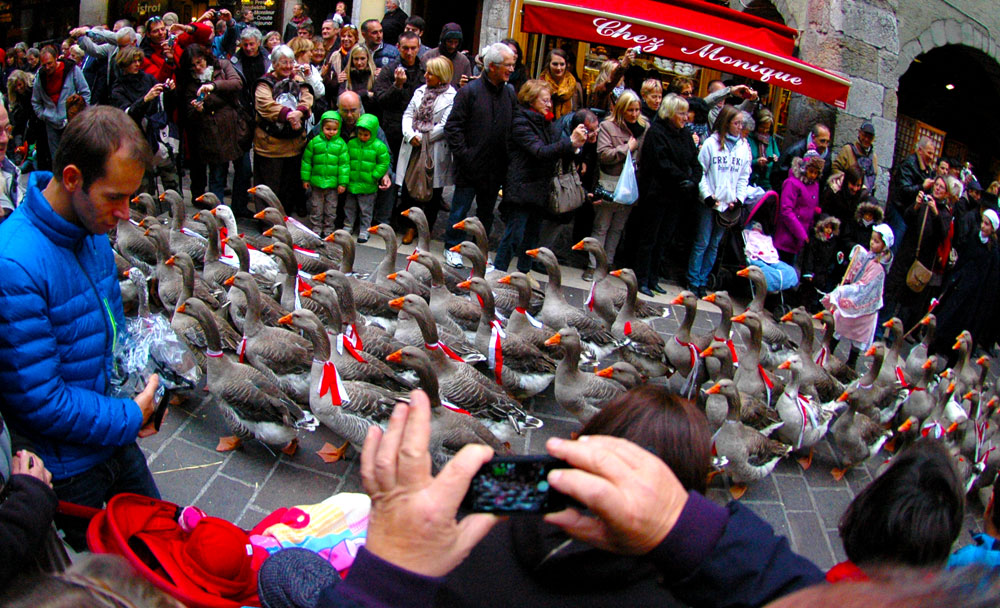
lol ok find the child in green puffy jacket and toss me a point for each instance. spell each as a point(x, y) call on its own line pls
point(369, 163)
point(326, 170)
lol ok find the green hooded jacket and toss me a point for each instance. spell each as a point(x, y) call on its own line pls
point(325, 162)
point(369, 160)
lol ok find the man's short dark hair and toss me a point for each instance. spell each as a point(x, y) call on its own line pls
point(364, 25)
point(417, 21)
point(308, 28)
point(93, 136)
point(409, 36)
point(910, 515)
point(817, 127)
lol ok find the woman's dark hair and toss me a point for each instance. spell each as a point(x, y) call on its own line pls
point(910, 515)
point(185, 71)
point(853, 175)
point(517, 49)
point(558, 52)
point(664, 423)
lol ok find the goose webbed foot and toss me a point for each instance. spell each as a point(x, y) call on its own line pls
point(228, 444)
point(291, 448)
point(330, 453)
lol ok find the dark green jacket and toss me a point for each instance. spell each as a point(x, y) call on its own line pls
point(325, 162)
point(369, 160)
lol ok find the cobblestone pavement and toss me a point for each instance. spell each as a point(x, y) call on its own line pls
point(245, 485)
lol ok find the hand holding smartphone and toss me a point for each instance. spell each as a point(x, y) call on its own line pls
point(511, 485)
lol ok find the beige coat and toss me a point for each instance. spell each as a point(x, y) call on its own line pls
point(612, 148)
point(268, 109)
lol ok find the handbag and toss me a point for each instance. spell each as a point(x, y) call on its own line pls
point(567, 193)
point(919, 276)
point(419, 178)
point(728, 218)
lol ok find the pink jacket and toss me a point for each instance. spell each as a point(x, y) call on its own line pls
point(798, 206)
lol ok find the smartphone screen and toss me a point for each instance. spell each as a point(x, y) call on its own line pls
point(515, 484)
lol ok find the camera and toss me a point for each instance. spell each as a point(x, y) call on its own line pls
point(604, 193)
point(516, 484)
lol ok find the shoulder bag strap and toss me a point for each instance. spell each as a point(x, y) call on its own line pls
point(920, 239)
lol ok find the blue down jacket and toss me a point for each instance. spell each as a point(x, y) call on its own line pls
point(60, 312)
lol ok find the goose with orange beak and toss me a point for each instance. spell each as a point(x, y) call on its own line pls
point(813, 374)
point(856, 437)
point(913, 366)
point(826, 356)
point(889, 375)
point(805, 419)
point(579, 393)
point(643, 346)
point(774, 337)
point(623, 373)
point(182, 236)
point(606, 296)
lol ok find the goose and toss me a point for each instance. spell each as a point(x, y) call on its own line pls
point(133, 246)
point(913, 365)
point(580, 394)
point(519, 366)
point(302, 236)
point(919, 402)
point(270, 349)
point(682, 350)
point(130, 299)
point(856, 437)
point(557, 313)
point(451, 427)
point(772, 333)
point(215, 272)
point(754, 412)
point(145, 205)
point(168, 280)
point(752, 377)
point(407, 331)
point(252, 404)
point(930, 415)
point(473, 226)
point(520, 321)
point(387, 266)
point(605, 297)
point(183, 263)
point(309, 261)
point(259, 263)
point(642, 346)
point(292, 282)
point(184, 236)
point(723, 332)
point(450, 311)
point(460, 383)
point(271, 311)
point(805, 420)
point(504, 296)
point(812, 374)
point(623, 373)
point(751, 456)
point(825, 355)
point(348, 408)
point(370, 299)
point(370, 337)
point(878, 402)
point(966, 375)
point(892, 370)
point(452, 276)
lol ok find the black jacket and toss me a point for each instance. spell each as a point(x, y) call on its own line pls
point(393, 101)
point(129, 94)
point(669, 157)
point(393, 25)
point(907, 180)
point(779, 173)
point(534, 147)
point(969, 301)
point(477, 131)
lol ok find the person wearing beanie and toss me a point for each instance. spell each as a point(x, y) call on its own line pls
point(856, 301)
point(451, 42)
point(968, 301)
point(369, 159)
point(798, 205)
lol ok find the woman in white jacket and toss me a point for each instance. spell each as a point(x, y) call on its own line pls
point(726, 159)
point(423, 125)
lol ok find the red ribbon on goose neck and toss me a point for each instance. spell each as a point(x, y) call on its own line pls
point(495, 353)
point(443, 347)
point(902, 378)
point(590, 297)
point(692, 348)
point(343, 343)
point(534, 322)
point(330, 382)
point(354, 336)
point(732, 348)
point(821, 356)
point(241, 350)
point(409, 261)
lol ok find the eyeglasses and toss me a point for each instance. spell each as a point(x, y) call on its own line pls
point(8, 129)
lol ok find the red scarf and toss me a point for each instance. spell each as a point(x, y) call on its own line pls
point(846, 571)
point(54, 83)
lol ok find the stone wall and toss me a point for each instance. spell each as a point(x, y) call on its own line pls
point(495, 25)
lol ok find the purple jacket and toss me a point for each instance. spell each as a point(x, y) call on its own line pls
point(797, 208)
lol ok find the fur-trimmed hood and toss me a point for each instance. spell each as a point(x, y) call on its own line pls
point(877, 214)
point(825, 221)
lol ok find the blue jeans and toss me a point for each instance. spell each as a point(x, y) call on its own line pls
point(707, 237)
point(895, 220)
point(217, 174)
point(242, 174)
point(124, 471)
point(520, 234)
point(486, 200)
point(780, 276)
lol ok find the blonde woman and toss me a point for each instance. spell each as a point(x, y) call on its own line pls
point(620, 133)
point(652, 96)
point(360, 76)
point(303, 48)
point(610, 82)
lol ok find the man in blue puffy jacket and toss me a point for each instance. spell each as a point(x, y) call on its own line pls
point(61, 314)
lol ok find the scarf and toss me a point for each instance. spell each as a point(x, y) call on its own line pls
point(205, 76)
point(53, 84)
point(731, 141)
point(423, 118)
point(562, 93)
point(636, 129)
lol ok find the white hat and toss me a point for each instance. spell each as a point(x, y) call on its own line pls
point(994, 219)
point(886, 232)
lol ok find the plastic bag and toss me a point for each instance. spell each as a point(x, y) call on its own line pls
point(151, 347)
point(627, 189)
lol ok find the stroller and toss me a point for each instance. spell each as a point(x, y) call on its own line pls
point(760, 208)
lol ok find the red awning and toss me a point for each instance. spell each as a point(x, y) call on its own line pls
point(691, 31)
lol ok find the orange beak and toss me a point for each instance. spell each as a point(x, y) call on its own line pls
point(951, 428)
point(269, 232)
point(330, 237)
point(135, 199)
point(230, 281)
point(213, 212)
point(743, 272)
point(532, 252)
point(969, 395)
point(307, 292)
point(267, 249)
point(843, 397)
point(605, 373)
point(555, 339)
point(201, 197)
point(945, 374)
point(459, 226)
point(125, 274)
point(927, 364)
point(456, 248)
point(465, 285)
point(259, 215)
point(578, 246)
point(405, 213)
point(146, 232)
point(740, 318)
point(678, 300)
point(713, 390)
point(197, 216)
point(785, 364)
point(413, 257)
point(393, 276)
point(992, 402)
point(396, 357)
point(505, 280)
point(396, 304)
point(926, 320)
point(787, 317)
point(710, 298)
point(372, 229)
point(957, 345)
point(907, 425)
point(321, 277)
point(182, 308)
point(889, 324)
point(163, 196)
point(951, 387)
point(225, 241)
point(819, 316)
point(870, 352)
point(708, 352)
point(170, 261)
point(285, 320)
point(982, 360)
point(252, 190)
point(616, 273)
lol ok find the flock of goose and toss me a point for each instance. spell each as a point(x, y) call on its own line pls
point(289, 337)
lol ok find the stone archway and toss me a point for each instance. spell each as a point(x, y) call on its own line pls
point(944, 32)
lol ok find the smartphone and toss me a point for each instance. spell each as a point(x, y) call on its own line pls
point(161, 406)
point(510, 485)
